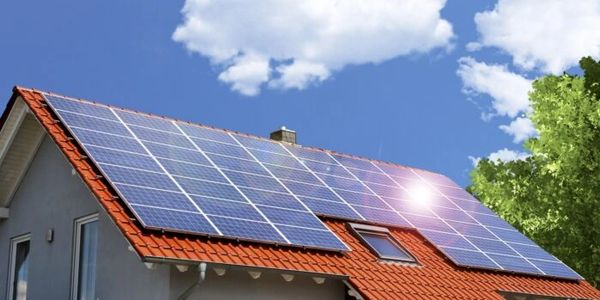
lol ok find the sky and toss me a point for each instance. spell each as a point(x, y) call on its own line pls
point(431, 84)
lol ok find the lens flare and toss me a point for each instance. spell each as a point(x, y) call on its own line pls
point(421, 195)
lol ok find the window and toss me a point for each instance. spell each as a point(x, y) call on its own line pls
point(19, 267)
point(84, 259)
point(381, 243)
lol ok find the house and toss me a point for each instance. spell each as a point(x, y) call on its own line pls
point(98, 202)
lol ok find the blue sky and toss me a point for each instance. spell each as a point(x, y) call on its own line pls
point(409, 107)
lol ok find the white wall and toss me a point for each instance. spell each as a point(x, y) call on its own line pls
point(49, 197)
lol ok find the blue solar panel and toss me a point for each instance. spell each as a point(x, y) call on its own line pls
point(176, 153)
point(126, 159)
point(311, 237)
point(192, 170)
point(205, 133)
point(327, 169)
point(81, 107)
point(230, 163)
point(515, 263)
point(293, 174)
point(555, 268)
point(146, 121)
point(292, 217)
point(250, 230)
point(492, 246)
point(89, 137)
point(283, 200)
point(254, 143)
point(210, 189)
point(447, 240)
point(222, 149)
point(188, 178)
point(175, 220)
point(469, 258)
point(138, 177)
point(232, 209)
point(277, 159)
point(255, 181)
point(381, 216)
point(362, 199)
point(156, 198)
point(156, 136)
point(88, 122)
point(330, 208)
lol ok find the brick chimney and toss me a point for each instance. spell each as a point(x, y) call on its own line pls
point(284, 135)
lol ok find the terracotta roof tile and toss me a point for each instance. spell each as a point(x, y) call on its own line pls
point(436, 278)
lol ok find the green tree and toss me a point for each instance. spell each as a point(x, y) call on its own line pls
point(553, 196)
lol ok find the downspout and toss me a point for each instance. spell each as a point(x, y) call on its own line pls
point(190, 290)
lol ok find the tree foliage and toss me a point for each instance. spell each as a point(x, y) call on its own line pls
point(553, 196)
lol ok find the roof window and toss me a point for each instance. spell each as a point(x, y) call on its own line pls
point(382, 243)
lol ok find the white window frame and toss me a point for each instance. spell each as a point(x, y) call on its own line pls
point(12, 263)
point(383, 232)
point(76, 251)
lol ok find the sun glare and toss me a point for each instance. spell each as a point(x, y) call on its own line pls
point(421, 195)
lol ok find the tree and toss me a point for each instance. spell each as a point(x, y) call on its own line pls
point(553, 196)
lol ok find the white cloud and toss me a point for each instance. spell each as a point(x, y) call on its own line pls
point(246, 74)
point(502, 155)
point(509, 91)
point(520, 128)
point(505, 155)
point(303, 42)
point(551, 35)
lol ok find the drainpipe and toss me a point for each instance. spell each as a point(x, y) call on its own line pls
point(190, 290)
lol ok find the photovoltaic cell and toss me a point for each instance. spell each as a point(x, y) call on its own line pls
point(156, 198)
point(263, 145)
point(147, 121)
point(120, 158)
point(329, 208)
point(176, 153)
point(138, 177)
point(381, 216)
point(327, 169)
point(210, 189)
point(205, 133)
point(192, 171)
point(81, 107)
point(514, 264)
point(173, 220)
point(249, 230)
point(469, 258)
point(447, 239)
point(107, 140)
point(283, 200)
point(93, 123)
point(178, 176)
point(231, 209)
point(229, 163)
point(156, 136)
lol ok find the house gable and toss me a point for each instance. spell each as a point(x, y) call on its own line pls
point(20, 137)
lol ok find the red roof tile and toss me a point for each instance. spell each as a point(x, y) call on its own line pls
point(436, 278)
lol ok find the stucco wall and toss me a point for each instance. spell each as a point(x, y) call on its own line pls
point(49, 197)
point(237, 284)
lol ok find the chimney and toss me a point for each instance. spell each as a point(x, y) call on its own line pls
point(284, 135)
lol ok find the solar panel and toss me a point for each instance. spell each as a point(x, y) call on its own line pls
point(181, 177)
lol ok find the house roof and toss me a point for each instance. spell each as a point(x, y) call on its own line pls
point(436, 277)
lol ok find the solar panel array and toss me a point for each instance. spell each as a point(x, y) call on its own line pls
point(182, 177)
